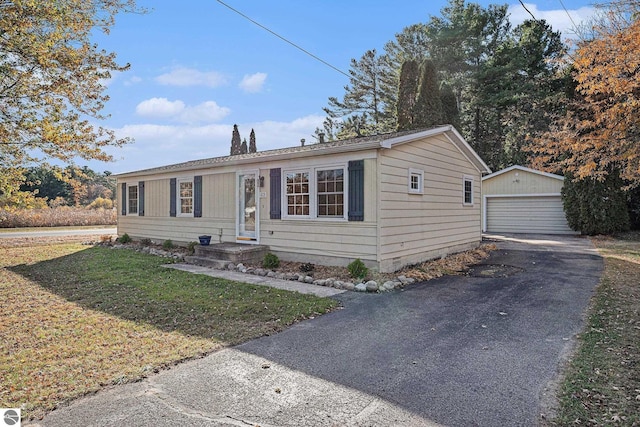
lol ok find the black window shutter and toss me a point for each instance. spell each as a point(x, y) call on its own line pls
point(276, 194)
point(141, 198)
point(356, 190)
point(172, 197)
point(123, 198)
point(197, 196)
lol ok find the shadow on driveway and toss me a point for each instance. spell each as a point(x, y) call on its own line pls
point(458, 350)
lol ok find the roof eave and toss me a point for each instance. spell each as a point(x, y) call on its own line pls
point(524, 169)
point(347, 148)
point(452, 135)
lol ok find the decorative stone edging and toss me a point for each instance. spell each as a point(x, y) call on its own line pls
point(368, 286)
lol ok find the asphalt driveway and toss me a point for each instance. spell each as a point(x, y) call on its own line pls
point(477, 350)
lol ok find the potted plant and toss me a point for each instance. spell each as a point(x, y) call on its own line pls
point(204, 240)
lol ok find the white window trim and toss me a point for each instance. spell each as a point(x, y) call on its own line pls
point(137, 199)
point(466, 178)
point(420, 174)
point(313, 193)
point(179, 199)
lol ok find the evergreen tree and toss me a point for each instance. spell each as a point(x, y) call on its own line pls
point(365, 96)
point(243, 147)
point(407, 94)
point(252, 142)
point(595, 206)
point(427, 111)
point(450, 111)
point(235, 141)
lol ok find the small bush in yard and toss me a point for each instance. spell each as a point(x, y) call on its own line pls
point(191, 247)
point(167, 244)
point(271, 261)
point(145, 242)
point(124, 239)
point(357, 269)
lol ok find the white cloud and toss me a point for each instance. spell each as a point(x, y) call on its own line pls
point(159, 108)
point(208, 111)
point(182, 76)
point(158, 145)
point(132, 81)
point(559, 19)
point(177, 111)
point(253, 83)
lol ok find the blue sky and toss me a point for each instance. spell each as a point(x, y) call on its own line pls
point(198, 68)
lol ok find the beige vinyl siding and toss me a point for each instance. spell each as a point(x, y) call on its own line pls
point(417, 227)
point(331, 242)
point(217, 212)
point(535, 214)
point(524, 183)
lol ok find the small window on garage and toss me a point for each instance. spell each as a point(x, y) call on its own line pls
point(467, 191)
point(416, 181)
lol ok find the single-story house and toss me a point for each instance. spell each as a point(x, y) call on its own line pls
point(391, 200)
point(522, 200)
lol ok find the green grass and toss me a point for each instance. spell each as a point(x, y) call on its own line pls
point(602, 383)
point(75, 319)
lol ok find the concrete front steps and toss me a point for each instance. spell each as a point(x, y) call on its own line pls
point(219, 255)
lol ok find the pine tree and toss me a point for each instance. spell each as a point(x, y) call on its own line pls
point(407, 94)
point(450, 111)
point(427, 111)
point(252, 142)
point(366, 96)
point(235, 141)
point(243, 147)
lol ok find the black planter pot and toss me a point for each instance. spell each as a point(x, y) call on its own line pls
point(204, 240)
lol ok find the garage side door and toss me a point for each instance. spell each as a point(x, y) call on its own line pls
point(526, 215)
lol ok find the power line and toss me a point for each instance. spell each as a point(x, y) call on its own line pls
point(284, 39)
point(575, 27)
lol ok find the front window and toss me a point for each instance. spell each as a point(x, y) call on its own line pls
point(132, 199)
point(186, 197)
point(315, 193)
point(297, 191)
point(330, 189)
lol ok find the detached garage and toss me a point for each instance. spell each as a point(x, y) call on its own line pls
point(523, 200)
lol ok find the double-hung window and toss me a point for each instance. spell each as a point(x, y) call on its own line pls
point(467, 191)
point(297, 190)
point(132, 200)
point(330, 193)
point(315, 193)
point(185, 197)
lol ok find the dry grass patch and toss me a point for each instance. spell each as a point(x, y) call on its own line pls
point(602, 384)
point(76, 318)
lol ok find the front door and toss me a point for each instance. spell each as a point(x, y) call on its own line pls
point(247, 207)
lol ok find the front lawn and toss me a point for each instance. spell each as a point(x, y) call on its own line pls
point(74, 319)
point(602, 385)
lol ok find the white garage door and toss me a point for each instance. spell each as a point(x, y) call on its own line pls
point(526, 215)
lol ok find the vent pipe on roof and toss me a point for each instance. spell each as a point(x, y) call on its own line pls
point(321, 137)
point(302, 142)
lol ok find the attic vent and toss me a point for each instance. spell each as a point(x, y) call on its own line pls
point(321, 137)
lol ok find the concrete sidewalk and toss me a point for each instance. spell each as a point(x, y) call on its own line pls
point(289, 285)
